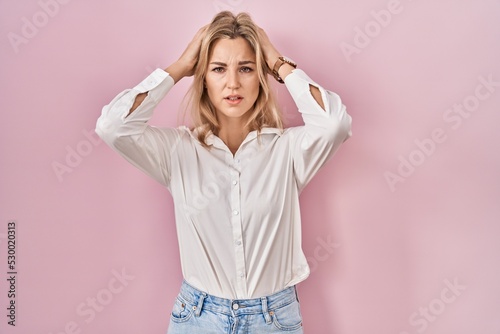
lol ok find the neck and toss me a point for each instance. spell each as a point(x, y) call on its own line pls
point(232, 132)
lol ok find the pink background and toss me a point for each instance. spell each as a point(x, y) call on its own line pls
point(383, 255)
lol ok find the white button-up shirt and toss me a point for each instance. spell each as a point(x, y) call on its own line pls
point(237, 217)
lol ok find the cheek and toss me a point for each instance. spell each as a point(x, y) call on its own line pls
point(211, 88)
point(256, 90)
point(253, 85)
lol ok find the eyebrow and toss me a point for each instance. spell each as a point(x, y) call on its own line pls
point(244, 62)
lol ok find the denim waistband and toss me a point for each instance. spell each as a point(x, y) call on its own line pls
point(234, 307)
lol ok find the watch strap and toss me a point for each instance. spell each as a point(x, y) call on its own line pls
point(277, 66)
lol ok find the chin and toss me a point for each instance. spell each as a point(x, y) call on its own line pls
point(234, 112)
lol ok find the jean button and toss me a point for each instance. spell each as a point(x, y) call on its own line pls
point(236, 306)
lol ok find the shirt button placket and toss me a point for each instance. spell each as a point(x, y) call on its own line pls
point(238, 229)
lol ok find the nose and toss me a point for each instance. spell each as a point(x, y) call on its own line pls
point(233, 80)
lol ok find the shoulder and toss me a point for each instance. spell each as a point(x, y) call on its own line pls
point(292, 130)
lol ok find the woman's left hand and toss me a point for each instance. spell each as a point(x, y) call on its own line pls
point(271, 54)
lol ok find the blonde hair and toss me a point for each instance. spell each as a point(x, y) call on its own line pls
point(226, 25)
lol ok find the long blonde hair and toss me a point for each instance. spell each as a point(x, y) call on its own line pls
point(226, 25)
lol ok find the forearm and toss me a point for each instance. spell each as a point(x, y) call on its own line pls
point(179, 70)
point(272, 54)
point(331, 116)
point(116, 116)
point(176, 70)
point(317, 96)
point(286, 69)
point(138, 100)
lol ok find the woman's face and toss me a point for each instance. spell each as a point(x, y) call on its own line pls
point(231, 79)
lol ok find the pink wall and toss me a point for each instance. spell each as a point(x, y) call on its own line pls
point(401, 228)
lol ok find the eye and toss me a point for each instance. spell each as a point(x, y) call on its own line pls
point(219, 69)
point(246, 69)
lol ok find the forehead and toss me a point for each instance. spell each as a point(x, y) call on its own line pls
point(236, 48)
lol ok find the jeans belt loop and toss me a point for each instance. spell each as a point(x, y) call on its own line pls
point(197, 312)
point(267, 316)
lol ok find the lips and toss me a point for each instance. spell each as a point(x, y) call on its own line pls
point(233, 99)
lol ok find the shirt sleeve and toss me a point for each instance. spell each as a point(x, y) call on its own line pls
point(323, 131)
point(146, 147)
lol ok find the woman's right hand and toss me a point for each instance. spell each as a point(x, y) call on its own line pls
point(186, 64)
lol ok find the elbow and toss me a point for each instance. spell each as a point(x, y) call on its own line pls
point(98, 130)
point(105, 130)
point(340, 128)
point(339, 122)
point(346, 127)
point(101, 128)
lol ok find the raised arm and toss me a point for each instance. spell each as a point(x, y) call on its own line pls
point(123, 123)
point(183, 67)
point(272, 55)
point(326, 122)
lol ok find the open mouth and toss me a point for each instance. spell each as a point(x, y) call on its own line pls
point(233, 99)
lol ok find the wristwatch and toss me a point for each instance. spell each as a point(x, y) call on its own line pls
point(278, 64)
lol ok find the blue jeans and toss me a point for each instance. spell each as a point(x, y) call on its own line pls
point(195, 311)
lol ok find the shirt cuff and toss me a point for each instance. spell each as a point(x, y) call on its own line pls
point(151, 82)
point(295, 81)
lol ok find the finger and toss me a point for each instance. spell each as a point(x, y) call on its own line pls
point(202, 32)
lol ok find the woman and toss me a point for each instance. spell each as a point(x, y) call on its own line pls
point(235, 177)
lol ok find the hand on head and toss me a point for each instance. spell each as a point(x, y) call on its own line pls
point(188, 60)
point(189, 57)
point(271, 54)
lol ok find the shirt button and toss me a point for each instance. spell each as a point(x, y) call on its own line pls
point(235, 182)
point(238, 242)
point(242, 275)
point(235, 212)
point(236, 306)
